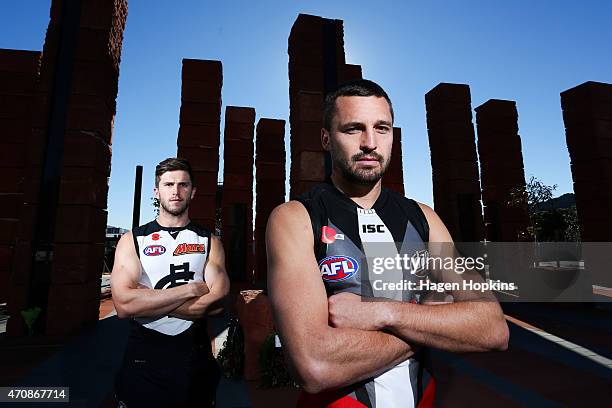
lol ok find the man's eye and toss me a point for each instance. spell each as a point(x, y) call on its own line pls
point(384, 129)
point(351, 130)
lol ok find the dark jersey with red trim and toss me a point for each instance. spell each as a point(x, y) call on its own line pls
point(350, 242)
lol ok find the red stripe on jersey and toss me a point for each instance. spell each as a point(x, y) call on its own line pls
point(429, 396)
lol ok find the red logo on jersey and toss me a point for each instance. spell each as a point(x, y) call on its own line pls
point(329, 235)
point(337, 268)
point(183, 249)
point(155, 237)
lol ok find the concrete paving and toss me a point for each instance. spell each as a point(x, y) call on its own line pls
point(559, 355)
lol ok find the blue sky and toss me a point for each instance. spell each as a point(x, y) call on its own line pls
point(527, 51)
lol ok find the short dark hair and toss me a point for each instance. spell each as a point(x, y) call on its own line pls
point(172, 164)
point(361, 87)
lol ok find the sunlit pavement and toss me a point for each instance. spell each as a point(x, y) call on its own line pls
point(559, 355)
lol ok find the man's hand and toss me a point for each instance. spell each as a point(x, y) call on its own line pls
point(195, 307)
point(320, 357)
point(200, 288)
point(197, 289)
point(132, 299)
point(208, 300)
point(474, 322)
point(347, 310)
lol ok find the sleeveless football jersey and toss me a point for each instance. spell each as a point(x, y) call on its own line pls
point(347, 239)
point(169, 257)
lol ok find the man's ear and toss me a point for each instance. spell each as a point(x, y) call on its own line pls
point(156, 192)
point(193, 192)
point(325, 142)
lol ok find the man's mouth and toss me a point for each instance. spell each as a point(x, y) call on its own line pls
point(368, 159)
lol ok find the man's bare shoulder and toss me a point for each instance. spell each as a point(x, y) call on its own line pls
point(289, 207)
point(289, 224)
point(216, 246)
point(437, 230)
point(125, 240)
point(425, 208)
point(126, 248)
point(126, 268)
point(430, 214)
point(290, 213)
point(215, 240)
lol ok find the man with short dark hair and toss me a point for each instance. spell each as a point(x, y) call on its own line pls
point(323, 250)
point(168, 275)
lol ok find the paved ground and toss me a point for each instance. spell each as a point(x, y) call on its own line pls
point(559, 355)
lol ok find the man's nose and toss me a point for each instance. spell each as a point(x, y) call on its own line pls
point(368, 140)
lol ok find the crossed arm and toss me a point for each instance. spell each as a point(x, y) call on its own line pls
point(329, 342)
point(218, 283)
point(475, 322)
point(320, 356)
point(191, 301)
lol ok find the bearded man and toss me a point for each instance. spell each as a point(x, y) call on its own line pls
point(343, 350)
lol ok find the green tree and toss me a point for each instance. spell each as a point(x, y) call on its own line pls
point(572, 230)
point(155, 203)
point(536, 195)
point(545, 222)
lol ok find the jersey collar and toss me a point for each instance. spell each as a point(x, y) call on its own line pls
point(378, 204)
point(173, 231)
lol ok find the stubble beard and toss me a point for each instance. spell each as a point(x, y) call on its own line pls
point(178, 211)
point(360, 176)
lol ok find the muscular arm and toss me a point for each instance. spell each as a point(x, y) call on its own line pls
point(218, 284)
point(130, 299)
point(321, 357)
point(475, 322)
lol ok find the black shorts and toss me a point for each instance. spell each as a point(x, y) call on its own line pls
point(159, 370)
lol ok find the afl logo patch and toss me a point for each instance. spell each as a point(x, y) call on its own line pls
point(337, 268)
point(154, 250)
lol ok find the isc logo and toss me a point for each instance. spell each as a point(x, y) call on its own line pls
point(338, 268)
point(372, 228)
point(154, 250)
